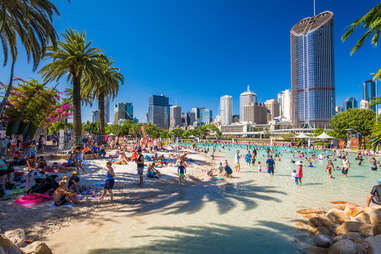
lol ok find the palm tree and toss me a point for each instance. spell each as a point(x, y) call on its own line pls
point(107, 85)
point(76, 59)
point(30, 22)
point(371, 22)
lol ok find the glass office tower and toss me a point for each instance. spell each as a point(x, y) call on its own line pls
point(369, 92)
point(312, 71)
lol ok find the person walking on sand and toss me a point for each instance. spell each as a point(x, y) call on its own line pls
point(181, 170)
point(270, 163)
point(237, 158)
point(109, 183)
point(140, 166)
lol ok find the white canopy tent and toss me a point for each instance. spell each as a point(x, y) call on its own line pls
point(324, 136)
point(302, 135)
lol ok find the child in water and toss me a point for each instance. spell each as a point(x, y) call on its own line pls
point(295, 177)
point(259, 167)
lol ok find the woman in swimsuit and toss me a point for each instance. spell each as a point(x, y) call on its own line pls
point(329, 168)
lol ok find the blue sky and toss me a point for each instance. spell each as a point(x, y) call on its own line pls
point(196, 51)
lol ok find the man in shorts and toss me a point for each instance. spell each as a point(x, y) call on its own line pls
point(375, 194)
point(140, 166)
point(270, 165)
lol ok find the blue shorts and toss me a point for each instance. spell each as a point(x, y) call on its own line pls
point(140, 171)
point(270, 171)
point(109, 184)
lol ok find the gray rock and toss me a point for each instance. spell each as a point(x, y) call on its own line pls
point(344, 246)
point(374, 244)
point(322, 240)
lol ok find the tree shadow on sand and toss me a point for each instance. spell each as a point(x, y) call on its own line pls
point(190, 198)
point(265, 237)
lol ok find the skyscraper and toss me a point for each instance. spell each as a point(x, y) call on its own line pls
point(273, 106)
point(369, 92)
point(226, 110)
point(284, 99)
point(196, 112)
point(246, 98)
point(205, 116)
point(129, 111)
point(175, 116)
point(350, 102)
point(95, 116)
point(255, 113)
point(158, 111)
point(107, 108)
point(119, 112)
point(312, 70)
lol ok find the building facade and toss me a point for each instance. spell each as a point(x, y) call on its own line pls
point(339, 109)
point(255, 113)
point(158, 111)
point(226, 110)
point(284, 100)
point(95, 116)
point(205, 116)
point(246, 98)
point(123, 111)
point(190, 118)
point(369, 92)
point(175, 116)
point(312, 71)
point(350, 102)
point(272, 105)
point(364, 104)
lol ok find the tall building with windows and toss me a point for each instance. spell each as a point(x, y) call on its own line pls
point(369, 92)
point(158, 111)
point(284, 100)
point(123, 111)
point(273, 106)
point(350, 102)
point(95, 116)
point(190, 118)
point(312, 71)
point(196, 112)
point(205, 116)
point(226, 109)
point(255, 113)
point(175, 116)
point(246, 98)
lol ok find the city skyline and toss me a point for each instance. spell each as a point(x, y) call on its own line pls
point(205, 62)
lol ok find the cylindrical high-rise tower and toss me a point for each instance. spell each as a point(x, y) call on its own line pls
point(313, 71)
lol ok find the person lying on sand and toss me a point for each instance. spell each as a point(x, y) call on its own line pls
point(62, 195)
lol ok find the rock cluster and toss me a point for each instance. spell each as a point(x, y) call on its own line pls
point(12, 241)
point(344, 229)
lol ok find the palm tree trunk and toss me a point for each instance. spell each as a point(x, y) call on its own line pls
point(9, 88)
point(101, 109)
point(77, 119)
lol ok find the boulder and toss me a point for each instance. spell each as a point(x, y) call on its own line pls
point(336, 216)
point(304, 226)
point(353, 236)
point(377, 229)
point(348, 226)
point(325, 231)
point(339, 207)
point(374, 244)
point(37, 248)
point(320, 221)
point(363, 218)
point(16, 236)
point(323, 241)
point(344, 246)
point(315, 250)
point(375, 217)
point(352, 211)
point(366, 230)
point(6, 246)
